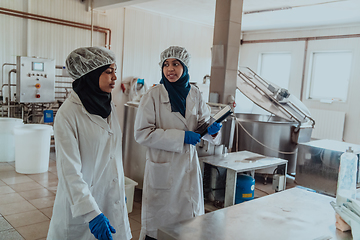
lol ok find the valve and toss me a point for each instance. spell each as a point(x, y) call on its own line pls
point(231, 101)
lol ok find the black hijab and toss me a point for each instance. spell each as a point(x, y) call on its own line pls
point(92, 97)
point(178, 90)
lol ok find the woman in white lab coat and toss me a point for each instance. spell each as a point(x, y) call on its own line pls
point(169, 119)
point(90, 198)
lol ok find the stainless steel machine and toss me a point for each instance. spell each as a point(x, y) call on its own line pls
point(134, 154)
point(35, 80)
point(318, 164)
point(277, 134)
point(40, 85)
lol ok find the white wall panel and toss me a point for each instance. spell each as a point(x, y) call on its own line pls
point(116, 24)
point(47, 38)
point(19, 36)
point(147, 35)
point(41, 38)
point(13, 31)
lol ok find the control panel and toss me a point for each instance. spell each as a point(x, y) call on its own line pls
point(35, 80)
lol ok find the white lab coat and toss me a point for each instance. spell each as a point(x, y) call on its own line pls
point(90, 172)
point(172, 189)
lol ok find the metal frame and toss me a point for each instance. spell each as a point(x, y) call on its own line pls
point(248, 80)
point(232, 163)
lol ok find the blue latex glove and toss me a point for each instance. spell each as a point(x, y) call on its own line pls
point(100, 227)
point(192, 137)
point(214, 128)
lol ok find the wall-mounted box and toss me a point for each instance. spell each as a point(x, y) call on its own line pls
point(35, 80)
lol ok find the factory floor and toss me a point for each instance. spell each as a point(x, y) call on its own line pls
point(26, 202)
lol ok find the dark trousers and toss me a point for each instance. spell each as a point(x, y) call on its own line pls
point(149, 238)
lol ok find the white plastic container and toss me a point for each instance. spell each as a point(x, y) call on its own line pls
point(129, 193)
point(7, 142)
point(32, 148)
point(346, 185)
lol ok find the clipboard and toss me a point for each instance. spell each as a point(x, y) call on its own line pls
point(220, 116)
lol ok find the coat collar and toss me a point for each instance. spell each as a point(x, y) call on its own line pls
point(94, 118)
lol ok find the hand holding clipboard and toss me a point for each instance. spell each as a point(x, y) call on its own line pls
point(219, 117)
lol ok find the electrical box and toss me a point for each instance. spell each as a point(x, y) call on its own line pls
point(35, 80)
point(278, 182)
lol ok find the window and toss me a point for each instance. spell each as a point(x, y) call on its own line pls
point(275, 68)
point(329, 76)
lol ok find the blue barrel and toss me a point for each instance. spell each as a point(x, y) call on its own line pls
point(48, 116)
point(245, 186)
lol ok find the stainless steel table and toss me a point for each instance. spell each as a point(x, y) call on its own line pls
point(293, 214)
point(242, 161)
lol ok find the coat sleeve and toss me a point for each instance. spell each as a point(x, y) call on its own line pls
point(69, 165)
point(204, 122)
point(146, 132)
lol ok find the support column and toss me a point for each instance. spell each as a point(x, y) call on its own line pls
point(226, 46)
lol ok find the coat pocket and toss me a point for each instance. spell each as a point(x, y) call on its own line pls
point(159, 177)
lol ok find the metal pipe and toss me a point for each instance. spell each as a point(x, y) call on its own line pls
point(6, 84)
point(2, 73)
point(62, 81)
point(50, 18)
point(62, 76)
point(64, 24)
point(92, 19)
point(300, 39)
point(9, 86)
point(31, 16)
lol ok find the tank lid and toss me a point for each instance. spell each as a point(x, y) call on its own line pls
point(271, 97)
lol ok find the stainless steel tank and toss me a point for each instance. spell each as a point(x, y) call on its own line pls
point(270, 136)
point(134, 154)
point(276, 135)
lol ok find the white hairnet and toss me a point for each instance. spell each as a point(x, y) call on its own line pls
point(86, 59)
point(177, 52)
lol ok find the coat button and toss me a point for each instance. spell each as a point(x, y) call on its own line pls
point(115, 179)
point(117, 202)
